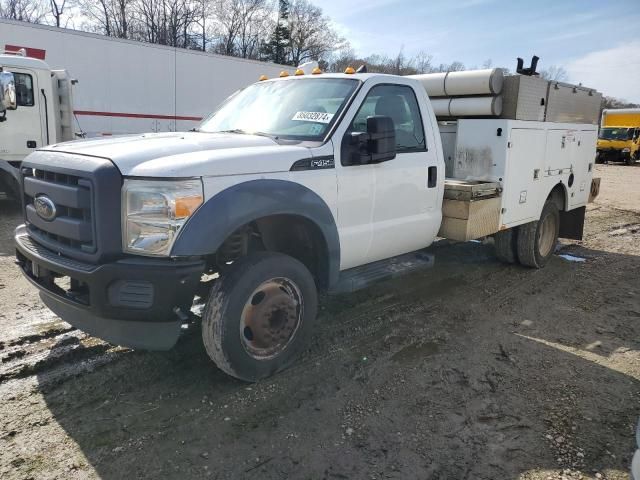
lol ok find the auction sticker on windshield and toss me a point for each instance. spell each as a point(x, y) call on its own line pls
point(319, 117)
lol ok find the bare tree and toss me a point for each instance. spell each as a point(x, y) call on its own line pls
point(555, 73)
point(241, 26)
point(613, 102)
point(32, 11)
point(312, 36)
point(56, 8)
point(228, 16)
point(167, 22)
point(203, 14)
point(110, 17)
point(255, 26)
point(422, 62)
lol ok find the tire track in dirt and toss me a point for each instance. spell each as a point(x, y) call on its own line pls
point(61, 352)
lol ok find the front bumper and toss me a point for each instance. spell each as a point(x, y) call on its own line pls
point(133, 302)
point(612, 153)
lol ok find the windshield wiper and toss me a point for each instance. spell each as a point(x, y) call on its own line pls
point(234, 130)
point(244, 132)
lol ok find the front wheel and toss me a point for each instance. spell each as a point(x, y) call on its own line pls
point(537, 240)
point(259, 315)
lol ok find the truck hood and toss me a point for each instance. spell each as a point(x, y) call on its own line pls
point(189, 154)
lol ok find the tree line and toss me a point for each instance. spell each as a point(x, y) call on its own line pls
point(289, 32)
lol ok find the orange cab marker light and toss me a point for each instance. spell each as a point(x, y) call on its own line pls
point(284, 73)
point(316, 71)
point(299, 72)
point(185, 206)
point(263, 78)
point(349, 71)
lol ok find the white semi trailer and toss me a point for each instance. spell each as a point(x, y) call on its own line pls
point(122, 87)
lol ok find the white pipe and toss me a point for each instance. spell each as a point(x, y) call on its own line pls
point(471, 82)
point(441, 106)
point(467, 106)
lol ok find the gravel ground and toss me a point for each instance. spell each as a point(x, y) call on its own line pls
point(473, 369)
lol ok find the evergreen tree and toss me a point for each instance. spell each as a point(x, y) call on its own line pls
point(277, 49)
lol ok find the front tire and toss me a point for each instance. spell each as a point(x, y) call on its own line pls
point(537, 240)
point(259, 315)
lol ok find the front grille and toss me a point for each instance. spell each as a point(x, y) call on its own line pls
point(85, 191)
point(72, 228)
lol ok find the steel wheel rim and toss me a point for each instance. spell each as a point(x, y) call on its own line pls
point(547, 235)
point(270, 318)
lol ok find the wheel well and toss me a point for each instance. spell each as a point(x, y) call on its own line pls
point(558, 195)
point(292, 235)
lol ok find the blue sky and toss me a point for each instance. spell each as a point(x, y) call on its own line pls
point(597, 42)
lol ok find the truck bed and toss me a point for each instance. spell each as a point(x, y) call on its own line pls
point(501, 172)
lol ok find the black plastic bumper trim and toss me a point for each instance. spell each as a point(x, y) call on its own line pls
point(174, 283)
point(126, 333)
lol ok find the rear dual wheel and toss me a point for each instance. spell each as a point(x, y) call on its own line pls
point(259, 315)
point(531, 244)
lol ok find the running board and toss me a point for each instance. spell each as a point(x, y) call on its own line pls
point(361, 277)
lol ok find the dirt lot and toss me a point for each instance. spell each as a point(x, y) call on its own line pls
point(471, 370)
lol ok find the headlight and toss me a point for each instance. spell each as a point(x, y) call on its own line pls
point(626, 150)
point(153, 211)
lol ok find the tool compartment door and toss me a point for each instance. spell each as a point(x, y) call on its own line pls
point(522, 185)
point(582, 160)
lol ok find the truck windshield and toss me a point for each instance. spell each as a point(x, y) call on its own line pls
point(616, 133)
point(297, 109)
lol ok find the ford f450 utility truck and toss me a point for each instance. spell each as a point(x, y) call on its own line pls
point(295, 185)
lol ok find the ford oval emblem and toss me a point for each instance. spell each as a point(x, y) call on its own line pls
point(45, 208)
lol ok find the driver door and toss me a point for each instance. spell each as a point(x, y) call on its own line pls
point(398, 197)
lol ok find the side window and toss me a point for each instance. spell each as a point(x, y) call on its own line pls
point(24, 89)
point(398, 102)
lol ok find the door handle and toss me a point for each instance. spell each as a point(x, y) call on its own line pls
point(432, 177)
point(31, 144)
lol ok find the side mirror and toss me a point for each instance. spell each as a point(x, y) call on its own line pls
point(8, 99)
point(377, 145)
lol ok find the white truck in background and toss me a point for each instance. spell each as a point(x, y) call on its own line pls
point(295, 185)
point(123, 87)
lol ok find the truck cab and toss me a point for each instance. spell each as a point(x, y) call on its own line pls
point(299, 184)
point(42, 114)
point(619, 136)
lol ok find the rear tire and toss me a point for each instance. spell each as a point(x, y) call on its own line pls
point(537, 240)
point(259, 315)
point(506, 245)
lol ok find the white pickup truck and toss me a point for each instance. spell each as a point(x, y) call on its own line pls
point(295, 185)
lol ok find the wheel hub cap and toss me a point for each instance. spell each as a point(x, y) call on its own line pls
point(270, 318)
